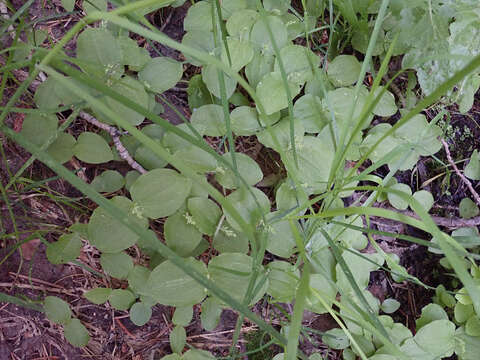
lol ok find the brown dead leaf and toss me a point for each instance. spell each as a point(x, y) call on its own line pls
point(29, 248)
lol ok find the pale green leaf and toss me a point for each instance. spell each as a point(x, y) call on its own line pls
point(67, 248)
point(206, 214)
point(336, 339)
point(211, 79)
point(57, 310)
point(389, 306)
point(169, 285)
point(140, 313)
point(160, 192)
point(232, 272)
point(468, 208)
point(38, 129)
point(472, 170)
point(98, 295)
point(272, 94)
point(92, 148)
point(178, 339)
point(183, 315)
point(62, 148)
point(116, 265)
point(121, 299)
point(344, 70)
point(109, 234)
point(210, 316)
point(209, 120)
point(246, 166)
point(76, 333)
point(180, 233)
point(108, 181)
point(161, 74)
point(244, 202)
point(397, 201)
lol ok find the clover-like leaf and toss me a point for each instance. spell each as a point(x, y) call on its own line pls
point(241, 22)
point(260, 36)
point(397, 201)
point(312, 112)
point(283, 279)
point(199, 17)
point(386, 106)
point(178, 339)
point(425, 198)
point(240, 54)
point(183, 315)
point(389, 306)
point(210, 77)
point(280, 237)
point(299, 63)
point(336, 339)
point(209, 120)
point(99, 52)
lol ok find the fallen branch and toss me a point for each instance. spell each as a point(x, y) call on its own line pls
point(457, 171)
point(115, 134)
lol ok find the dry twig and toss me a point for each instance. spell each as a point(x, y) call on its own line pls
point(457, 171)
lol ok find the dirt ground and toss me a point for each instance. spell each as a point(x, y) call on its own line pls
point(27, 334)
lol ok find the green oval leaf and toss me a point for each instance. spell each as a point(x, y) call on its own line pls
point(140, 313)
point(76, 333)
point(67, 248)
point(246, 166)
point(178, 339)
point(108, 181)
point(121, 299)
point(116, 265)
point(160, 192)
point(92, 148)
point(57, 310)
point(98, 295)
point(110, 235)
point(161, 74)
point(169, 285)
point(344, 70)
point(205, 213)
